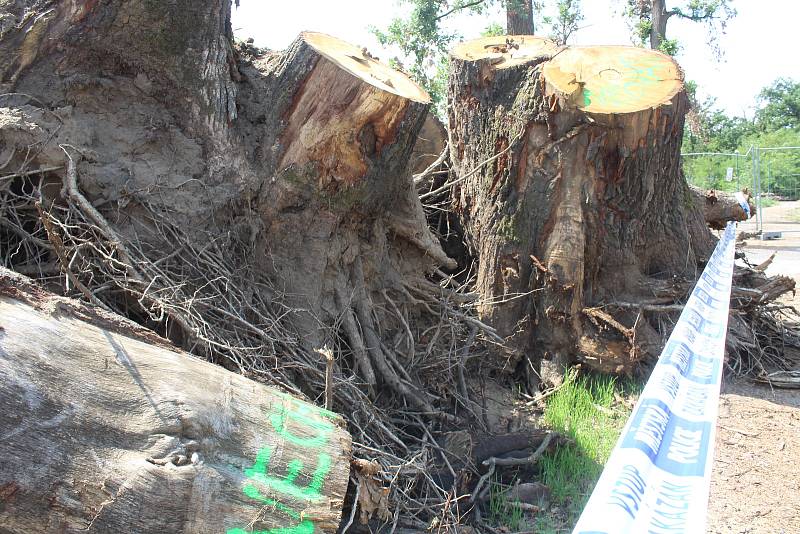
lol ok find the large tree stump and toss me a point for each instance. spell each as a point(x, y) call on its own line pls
point(106, 428)
point(294, 163)
point(341, 128)
point(572, 195)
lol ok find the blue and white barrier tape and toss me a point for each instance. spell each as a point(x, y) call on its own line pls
point(658, 476)
point(743, 203)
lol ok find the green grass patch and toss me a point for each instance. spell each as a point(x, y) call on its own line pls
point(502, 510)
point(586, 410)
point(509, 515)
point(768, 202)
point(794, 215)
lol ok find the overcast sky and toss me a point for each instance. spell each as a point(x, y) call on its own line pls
point(760, 44)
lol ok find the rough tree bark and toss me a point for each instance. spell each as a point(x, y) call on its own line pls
point(572, 195)
point(106, 428)
point(519, 17)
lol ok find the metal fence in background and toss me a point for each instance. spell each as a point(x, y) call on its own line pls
point(754, 170)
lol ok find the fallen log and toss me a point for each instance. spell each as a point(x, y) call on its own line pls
point(719, 207)
point(107, 428)
point(571, 192)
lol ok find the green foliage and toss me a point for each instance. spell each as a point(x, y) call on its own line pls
point(780, 106)
point(700, 10)
point(502, 511)
point(669, 47)
point(493, 30)
point(715, 14)
point(780, 170)
point(585, 410)
point(569, 15)
point(418, 38)
point(424, 43)
point(641, 30)
point(776, 124)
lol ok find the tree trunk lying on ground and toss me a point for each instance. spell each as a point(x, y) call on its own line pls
point(719, 207)
point(572, 194)
point(106, 428)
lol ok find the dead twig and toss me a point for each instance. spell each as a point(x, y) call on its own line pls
point(529, 460)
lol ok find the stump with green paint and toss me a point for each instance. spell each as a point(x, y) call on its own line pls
point(573, 198)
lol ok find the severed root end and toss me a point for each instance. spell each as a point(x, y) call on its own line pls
point(613, 79)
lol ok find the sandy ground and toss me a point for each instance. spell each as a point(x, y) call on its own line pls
point(755, 486)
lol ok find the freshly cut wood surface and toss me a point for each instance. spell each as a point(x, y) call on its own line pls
point(345, 112)
point(359, 63)
point(614, 79)
point(104, 428)
point(505, 51)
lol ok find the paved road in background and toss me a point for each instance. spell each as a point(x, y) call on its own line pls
point(783, 217)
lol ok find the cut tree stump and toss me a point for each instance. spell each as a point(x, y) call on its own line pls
point(343, 116)
point(572, 195)
point(295, 164)
point(341, 129)
point(106, 428)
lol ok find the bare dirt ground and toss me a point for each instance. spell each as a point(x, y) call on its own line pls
point(755, 486)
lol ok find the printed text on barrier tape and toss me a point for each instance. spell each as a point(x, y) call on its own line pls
point(657, 478)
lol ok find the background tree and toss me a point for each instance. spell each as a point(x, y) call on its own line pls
point(776, 123)
point(519, 17)
point(423, 41)
point(780, 106)
point(649, 20)
point(565, 23)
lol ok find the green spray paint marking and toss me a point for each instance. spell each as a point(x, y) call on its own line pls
point(644, 81)
point(304, 527)
point(302, 414)
point(309, 408)
point(287, 484)
point(252, 492)
point(321, 426)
